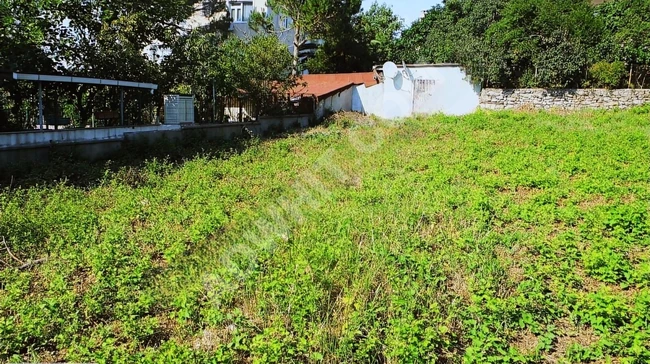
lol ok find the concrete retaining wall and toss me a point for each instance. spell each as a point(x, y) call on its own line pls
point(566, 99)
point(66, 136)
point(95, 144)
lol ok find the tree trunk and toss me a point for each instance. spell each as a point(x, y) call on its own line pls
point(296, 49)
point(629, 82)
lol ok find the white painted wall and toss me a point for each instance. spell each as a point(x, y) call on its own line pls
point(444, 89)
point(43, 139)
point(368, 100)
point(341, 101)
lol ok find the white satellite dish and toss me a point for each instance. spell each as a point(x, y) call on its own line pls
point(390, 70)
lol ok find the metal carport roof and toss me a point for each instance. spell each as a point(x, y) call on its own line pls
point(82, 80)
point(79, 80)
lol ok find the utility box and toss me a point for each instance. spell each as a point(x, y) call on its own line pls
point(179, 109)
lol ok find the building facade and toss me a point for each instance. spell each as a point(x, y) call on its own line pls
point(240, 12)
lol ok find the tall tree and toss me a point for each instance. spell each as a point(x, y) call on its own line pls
point(314, 18)
point(260, 67)
point(428, 39)
point(626, 36)
point(379, 28)
point(547, 43)
point(108, 38)
point(27, 44)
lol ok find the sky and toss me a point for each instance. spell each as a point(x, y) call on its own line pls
point(409, 10)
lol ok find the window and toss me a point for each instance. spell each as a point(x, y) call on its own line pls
point(285, 22)
point(241, 11)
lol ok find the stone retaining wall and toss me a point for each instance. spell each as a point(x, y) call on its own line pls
point(566, 99)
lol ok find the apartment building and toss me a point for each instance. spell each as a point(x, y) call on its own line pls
point(240, 12)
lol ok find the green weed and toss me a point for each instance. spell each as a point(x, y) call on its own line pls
point(508, 237)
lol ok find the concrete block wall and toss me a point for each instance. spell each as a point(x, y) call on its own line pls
point(564, 99)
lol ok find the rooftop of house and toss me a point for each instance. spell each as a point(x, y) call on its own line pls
point(323, 85)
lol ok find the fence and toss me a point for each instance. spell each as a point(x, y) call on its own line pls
point(240, 109)
point(245, 109)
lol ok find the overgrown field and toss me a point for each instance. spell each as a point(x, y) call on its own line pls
point(495, 237)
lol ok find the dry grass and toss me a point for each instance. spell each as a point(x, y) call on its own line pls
point(211, 339)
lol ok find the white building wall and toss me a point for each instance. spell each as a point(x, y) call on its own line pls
point(341, 101)
point(368, 100)
point(420, 90)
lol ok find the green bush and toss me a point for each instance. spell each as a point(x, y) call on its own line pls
point(607, 75)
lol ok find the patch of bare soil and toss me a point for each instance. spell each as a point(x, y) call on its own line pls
point(513, 261)
point(84, 279)
point(524, 194)
point(526, 342)
point(458, 285)
point(592, 201)
point(570, 334)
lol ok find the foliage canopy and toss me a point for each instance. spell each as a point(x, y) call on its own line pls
point(538, 43)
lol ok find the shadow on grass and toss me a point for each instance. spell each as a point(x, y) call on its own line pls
point(72, 170)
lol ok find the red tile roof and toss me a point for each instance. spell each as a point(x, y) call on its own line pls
point(327, 84)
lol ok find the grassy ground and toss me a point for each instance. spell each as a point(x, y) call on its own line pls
point(495, 237)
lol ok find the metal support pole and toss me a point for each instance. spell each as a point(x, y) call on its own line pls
point(140, 111)
point(122, 106)
point(241, 110)
point(40, 105)
point(214, 102)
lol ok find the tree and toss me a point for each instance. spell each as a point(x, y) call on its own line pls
point(506, 43)
point(193, 67)
point(455, 33)
point(626, 36)
point(259, 67)
point(27, 41)
point(316, 18)
point(193, 59)
point(108, 36)
point(546, 43)
point(428, 39)
point(379, 28)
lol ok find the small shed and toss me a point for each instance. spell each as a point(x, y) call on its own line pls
point(332, 92)
point(179, 109)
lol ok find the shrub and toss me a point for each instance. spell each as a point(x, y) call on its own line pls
point(607, 75)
